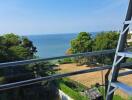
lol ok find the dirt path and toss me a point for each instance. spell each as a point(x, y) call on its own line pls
point(90, 79)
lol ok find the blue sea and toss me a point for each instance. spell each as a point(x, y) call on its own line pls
point(52, 45)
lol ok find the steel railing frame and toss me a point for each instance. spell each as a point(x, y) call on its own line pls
point(24, 62)
point(56, 76)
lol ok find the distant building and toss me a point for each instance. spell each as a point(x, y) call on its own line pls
point(129, 39)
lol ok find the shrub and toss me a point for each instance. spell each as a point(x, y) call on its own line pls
point(65, 61)
point(73, 94)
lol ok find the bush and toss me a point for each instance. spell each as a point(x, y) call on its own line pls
point(74, 85)
point(71, 88)
point(65, 61)
point(73, 94)
point(130, 98)
point(116, 97)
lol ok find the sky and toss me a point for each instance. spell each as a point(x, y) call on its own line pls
point(31, 17)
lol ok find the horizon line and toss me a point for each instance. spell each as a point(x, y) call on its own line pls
point(53, 33)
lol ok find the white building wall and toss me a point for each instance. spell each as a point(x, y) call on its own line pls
point(64, 96)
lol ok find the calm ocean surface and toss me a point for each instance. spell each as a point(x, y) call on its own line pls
point(52, 45)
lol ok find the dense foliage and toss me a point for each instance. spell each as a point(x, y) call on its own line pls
point(84, 42)
point(14, 48)
point(105, 40)
point(72, 89)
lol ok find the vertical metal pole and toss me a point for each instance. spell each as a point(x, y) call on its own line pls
point(120, 47)
point(106, 81)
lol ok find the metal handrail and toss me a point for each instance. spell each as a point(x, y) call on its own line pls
point(87, 54)
point(56, 76)
point(24, 62)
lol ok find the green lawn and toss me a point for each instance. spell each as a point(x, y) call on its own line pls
point(73, 94)
point(116, 97)
point(71, 89)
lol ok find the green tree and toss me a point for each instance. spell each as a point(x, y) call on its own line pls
point(11, 40)
point(83, 43)
point(14, 48)
point(29, 45)
point(105, 41)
